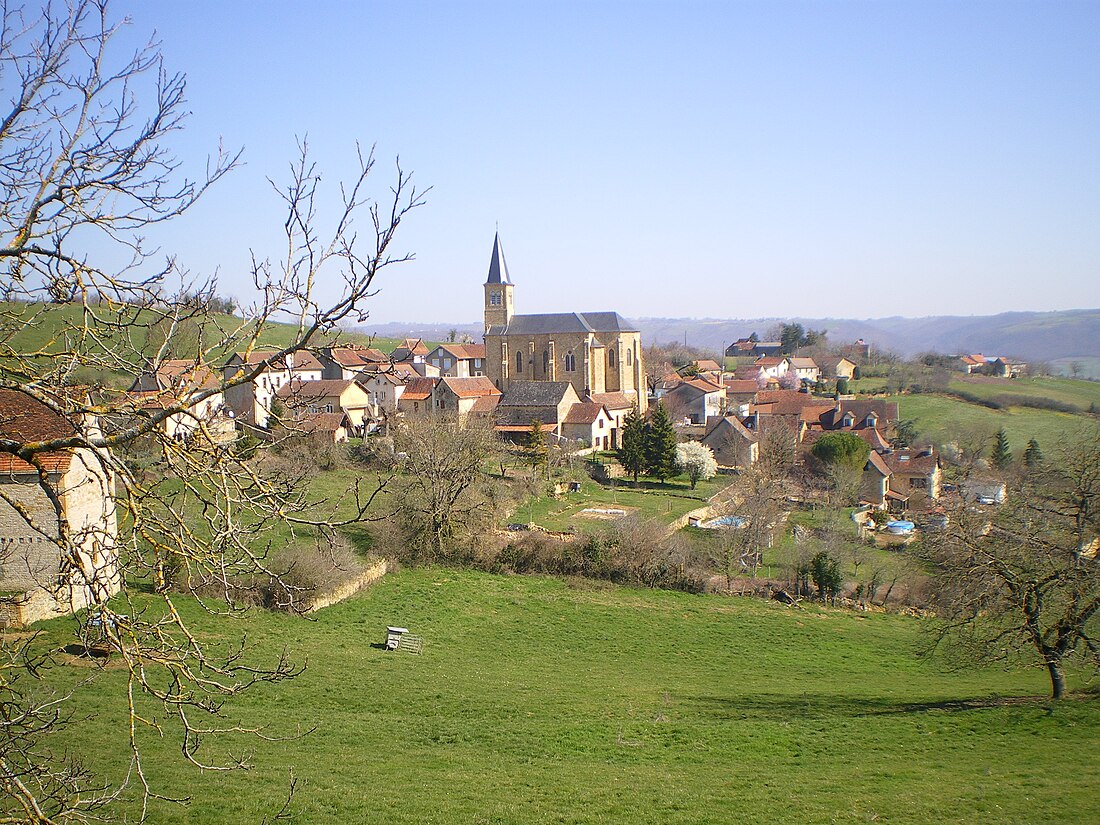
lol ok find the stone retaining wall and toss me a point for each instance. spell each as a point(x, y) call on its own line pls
point(348, 589)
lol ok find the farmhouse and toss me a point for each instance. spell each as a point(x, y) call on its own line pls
point(58, 528)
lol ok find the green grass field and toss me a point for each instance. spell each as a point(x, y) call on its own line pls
point(942, 419)
point(541, 701)
point(1065, 390)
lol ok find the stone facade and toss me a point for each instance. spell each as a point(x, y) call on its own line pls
point(32, 542)
point(596, 352)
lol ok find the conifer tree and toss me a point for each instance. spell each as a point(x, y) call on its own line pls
point(1002, 455)
point(632, 453)
point(1033, 456)
point(660, 443)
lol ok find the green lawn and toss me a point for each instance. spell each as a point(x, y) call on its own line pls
point(541, 701)
point(942, 419)
point(665, 502)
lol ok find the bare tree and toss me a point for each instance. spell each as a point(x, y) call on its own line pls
point(443, 481)
point(85, 164)
point(1024, 579)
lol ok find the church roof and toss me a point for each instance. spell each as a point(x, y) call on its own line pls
point(498, 268)
point(535, 393)
point(553, 323)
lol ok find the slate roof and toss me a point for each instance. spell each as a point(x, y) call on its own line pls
point(498, 268)
point(534, 393)
point(887, 412)
point(555, 323)
point(25, 419)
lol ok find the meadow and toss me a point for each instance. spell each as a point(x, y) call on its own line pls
point(539, 700)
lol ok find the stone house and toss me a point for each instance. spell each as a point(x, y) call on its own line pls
point(417, 395)
point(58, 557)
point(618, 406)
point(696, 399)
point(458, 360)
point(547, 402)
point(182, 381)
point(465, 396)
point(596, 352)
point(590, 424)
point(384, 390)
point(734, 446)
point(805, 368)
point(892, 479)
point(251, 401)
point(837, 366)
point(410, 351)
point(347, 362)
point(773, 366)
point(304, 399)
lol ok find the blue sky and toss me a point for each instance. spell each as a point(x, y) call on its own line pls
point(668, 159)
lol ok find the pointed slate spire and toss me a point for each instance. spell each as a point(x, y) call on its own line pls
point(498, 269)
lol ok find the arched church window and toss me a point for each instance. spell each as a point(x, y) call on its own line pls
point(545, 362)
point(611, 359)
point(519, 361)
point(629, 357)
point(570, 362)
point(494, 299)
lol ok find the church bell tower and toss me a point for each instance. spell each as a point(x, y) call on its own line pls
point(498, 290)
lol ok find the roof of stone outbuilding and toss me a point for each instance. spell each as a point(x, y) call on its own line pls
point(612, 400)
point(471, 387)
point(26, 420)
point(584, 412)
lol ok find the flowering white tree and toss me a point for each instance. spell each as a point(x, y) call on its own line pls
point(696, 460)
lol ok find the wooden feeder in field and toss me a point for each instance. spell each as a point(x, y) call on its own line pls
point(393, 637)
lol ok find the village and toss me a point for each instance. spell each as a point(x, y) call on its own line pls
point(568, 384)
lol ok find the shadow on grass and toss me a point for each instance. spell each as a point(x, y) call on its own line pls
point(784, 707)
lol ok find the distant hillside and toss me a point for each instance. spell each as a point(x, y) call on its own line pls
point(1035, 336)
point(45, 329)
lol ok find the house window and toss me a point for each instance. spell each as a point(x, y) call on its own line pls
point(328, 408)
point(872, 419)
point(477, 363)
point(848, 420)
point(570, 362)
point(519, 361)
point(446, 363)
point(494, 299)
point(611, 359)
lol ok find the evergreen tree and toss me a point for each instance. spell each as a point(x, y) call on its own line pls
point(536, 444)
point(1033, 456)
point(632, 453)
point(660, 445)
point(1002, 455)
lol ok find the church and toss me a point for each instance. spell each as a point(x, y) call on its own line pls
point(599, 353)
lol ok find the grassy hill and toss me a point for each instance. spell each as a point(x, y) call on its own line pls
point(38, 328)
point(544, 701)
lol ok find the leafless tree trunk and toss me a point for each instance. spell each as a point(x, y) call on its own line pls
point(84, 163)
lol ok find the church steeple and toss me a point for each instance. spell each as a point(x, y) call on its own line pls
point(498, 268)
point(498, 289)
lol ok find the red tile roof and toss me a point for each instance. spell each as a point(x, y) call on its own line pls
point(612, 400)
point(464, 351)
point(27, 420)
point(471, 387)
point(419, 389)
point(585, 413)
